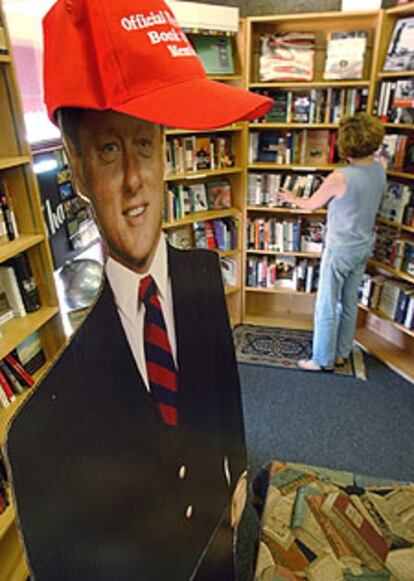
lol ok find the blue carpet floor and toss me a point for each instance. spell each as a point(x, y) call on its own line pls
point(325, 420)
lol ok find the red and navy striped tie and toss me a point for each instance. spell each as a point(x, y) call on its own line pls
point(162, 374)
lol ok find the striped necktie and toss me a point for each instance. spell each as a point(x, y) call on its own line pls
point(162, 374)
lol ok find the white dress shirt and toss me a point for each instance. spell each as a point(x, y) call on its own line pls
point(125, 286)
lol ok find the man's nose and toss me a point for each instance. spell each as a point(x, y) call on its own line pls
point(132, 174)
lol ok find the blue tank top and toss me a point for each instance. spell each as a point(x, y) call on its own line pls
point(351, 218)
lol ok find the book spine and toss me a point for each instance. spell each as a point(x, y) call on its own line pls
point(20, 370)
point(4, 384)
point(12, 380)
point(7, 214)
point(26, 282)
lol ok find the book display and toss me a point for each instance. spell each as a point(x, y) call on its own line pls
point(385, 324)
point(317, 68)
point(31, 331)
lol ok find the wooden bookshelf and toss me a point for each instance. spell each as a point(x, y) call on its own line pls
point(17, 173)
point(200, 175)
point(202, 216)
point(377, 333)
point(271, 210)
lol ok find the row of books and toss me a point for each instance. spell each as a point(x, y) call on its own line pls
point(395, 101)
point(394, 251)
point(220, 234)
point(273, 234)
point(311, 147)
point(181, 200)
point(394, 298)
point(282, 272)
point(397, 203)
point(8, 226)
point(263, 188)
point(397, 151)
point(198, 153)
point(322, 524)
point(290, 56)
point(18, 290)
point(314, 106)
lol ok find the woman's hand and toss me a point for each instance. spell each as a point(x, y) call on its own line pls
point(286, 196)
point(238, 501)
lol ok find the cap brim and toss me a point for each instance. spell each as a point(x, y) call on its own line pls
point(197, 104)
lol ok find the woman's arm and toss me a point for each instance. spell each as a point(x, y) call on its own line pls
point(334, 185)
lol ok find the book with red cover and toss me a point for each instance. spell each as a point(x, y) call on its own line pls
point(19, 370)
point(356, 529)
point(6, 387)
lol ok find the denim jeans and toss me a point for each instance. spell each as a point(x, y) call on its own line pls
point(337, 303)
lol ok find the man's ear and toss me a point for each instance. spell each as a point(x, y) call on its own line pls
point(76, 169)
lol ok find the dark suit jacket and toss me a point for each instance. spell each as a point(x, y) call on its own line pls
point(96, 473)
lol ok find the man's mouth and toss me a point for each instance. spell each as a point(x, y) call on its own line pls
point(135, 211)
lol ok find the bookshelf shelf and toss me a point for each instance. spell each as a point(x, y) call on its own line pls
point(310, 84)
point(228, 128)
point(10, 162)
point(201, 216)
point(228, 253)
point(275, 253)
point(202, 174)
point(396, 225)
point(276, 290)
point(292, 167)
point(400, 174)
point(403, 10)
point(398, 273)
point(287, 321)
point(382, 315)
point(401, 126)
point(397, 358)
point(5, 59)
point(272, 210)
point(293, 125)
point(395, 74)
point(17, 329)
point(22, 243)
point(226, 77)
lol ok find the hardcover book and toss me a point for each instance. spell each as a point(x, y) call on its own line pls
point(345, 55)
point(400, 54)
point(287, 57)
point(216, 53)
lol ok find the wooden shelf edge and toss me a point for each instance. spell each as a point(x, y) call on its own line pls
point(390, 269)
point(20, 244)
point(202, 217)
point(394, 357)
point(277, 291)
point(10, 162)
point(5, 59)
point(278, 210)
point(381, 315)
point(292, 167)
point(287, 253)
point(18, 329)
point(310, 84)
point(400, 174)
point(199, 175)
point(285, 322)
point(287, 125)
point(228, 128)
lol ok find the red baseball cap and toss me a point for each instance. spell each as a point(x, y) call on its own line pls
point(132, 57)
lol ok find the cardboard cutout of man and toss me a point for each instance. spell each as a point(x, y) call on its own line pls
point(126, 457)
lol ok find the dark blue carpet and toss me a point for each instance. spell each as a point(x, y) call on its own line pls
point(325, 420)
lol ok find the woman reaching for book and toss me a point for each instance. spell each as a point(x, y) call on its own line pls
point(353, 194)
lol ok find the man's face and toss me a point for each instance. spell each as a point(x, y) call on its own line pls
point(119, 168)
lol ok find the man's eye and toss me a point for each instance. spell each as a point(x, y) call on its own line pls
point(145, 146)
point(108, 151)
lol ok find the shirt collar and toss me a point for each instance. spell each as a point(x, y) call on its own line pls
point(125, 282)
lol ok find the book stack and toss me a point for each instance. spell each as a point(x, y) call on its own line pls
point(14, 379)
point(313, 147)
point(345, 55)
point(397, 152)
point(287, 57)
point(198, 153)
point(397, 204)
point(262, 188)
point(216, 234)
point(322, 524)
point(181, 200)
point(18, 286)
point(313, 106)
point(282, 272)
point(8, 225)
point(395, 101)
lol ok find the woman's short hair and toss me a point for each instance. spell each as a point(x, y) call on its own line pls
point(359, 135)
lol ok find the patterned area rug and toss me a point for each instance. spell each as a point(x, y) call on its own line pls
point(284, 347)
